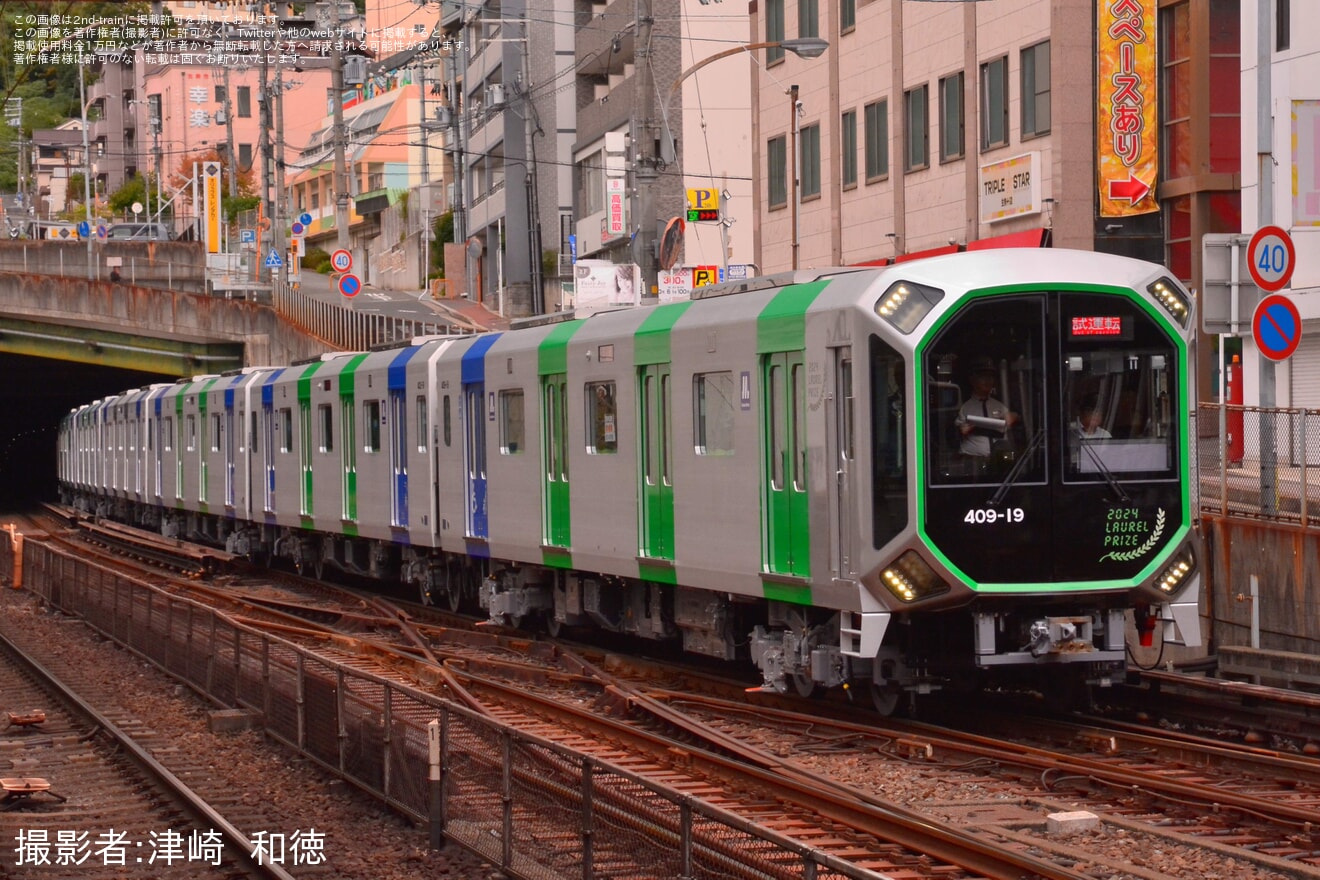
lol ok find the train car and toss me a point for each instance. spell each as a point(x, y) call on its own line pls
point(947, 471)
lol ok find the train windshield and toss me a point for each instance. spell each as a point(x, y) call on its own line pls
point(1117, 391)
point(1014, 385)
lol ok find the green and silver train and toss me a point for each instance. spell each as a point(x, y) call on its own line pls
point(966, 467)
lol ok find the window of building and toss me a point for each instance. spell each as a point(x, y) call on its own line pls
point(848, 142)
point(774, 28)
point(713, 404)
point(916, 113)
point(244, 94)
point(951, 117)
point(220, 94)
point(1036, 90)
point(1282, 24)
point(876, 121)
point(809, 148)
point(511, 422)
point(776, 171)
point(994, 103)
point(847, 15)
point(244, 157)
point(325, 421)
point(808, 18)
point(602, 419)
point(371, 426)
point(591, 178)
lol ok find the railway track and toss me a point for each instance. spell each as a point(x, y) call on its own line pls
point(549, 694)
point(82, 790)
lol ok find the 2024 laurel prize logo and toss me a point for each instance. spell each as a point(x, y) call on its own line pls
point(1124, 530)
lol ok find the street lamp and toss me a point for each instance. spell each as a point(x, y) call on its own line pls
point(803, 47)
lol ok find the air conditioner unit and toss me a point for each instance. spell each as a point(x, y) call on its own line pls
point(495, 96)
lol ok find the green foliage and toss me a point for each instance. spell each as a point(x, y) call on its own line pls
point(76, 191)
point(549, 264)
point(232, 207)
point(316, 260)
point(443, 227)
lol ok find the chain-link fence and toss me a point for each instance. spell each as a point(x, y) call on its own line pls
point(1257, 462)
point(534, 808)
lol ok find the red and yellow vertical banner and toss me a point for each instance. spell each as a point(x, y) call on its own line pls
point(1128, 136)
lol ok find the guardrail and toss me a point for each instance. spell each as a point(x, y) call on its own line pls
point(346, 329)
point(1258, 462)
point(533, 807)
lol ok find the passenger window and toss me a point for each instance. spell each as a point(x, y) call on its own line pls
point(602, 419)
point(511, 422)
point(713, 408)
point(371, 426)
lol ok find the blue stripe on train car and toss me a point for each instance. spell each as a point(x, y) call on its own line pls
point(474, 359)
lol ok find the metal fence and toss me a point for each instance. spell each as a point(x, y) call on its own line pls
point(346, 329)
point(1256, 462)
point(534, 808)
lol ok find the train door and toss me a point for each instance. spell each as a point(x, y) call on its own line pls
point(398, 459)
point(656, 490)
point(843, 453)
point(786, 538)
point(554, 423)
point(474, 394)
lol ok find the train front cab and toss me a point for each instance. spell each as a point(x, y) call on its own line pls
point(1050, 431)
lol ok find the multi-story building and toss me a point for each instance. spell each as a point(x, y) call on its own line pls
point(684, 126)
point(113, 130)
point(510, 115)
point(1292, 66)
point(939, 126)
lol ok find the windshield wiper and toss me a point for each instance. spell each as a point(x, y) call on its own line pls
point(1114, 484)
point(1018, 467)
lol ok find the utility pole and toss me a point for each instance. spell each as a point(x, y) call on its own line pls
point(343, 239)
point(531, 124)
point(425, 190)
point(644, 170)
point(1265, 197)
point(229, 136)
point(87, 168)
point(264, 141)
point(279, 200)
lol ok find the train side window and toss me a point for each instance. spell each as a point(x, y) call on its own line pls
point(889, 459)
point(286, 430)
point(326, 420)
point(602, 419)
point(192, 433)
point(511, 422)
point(167, 433)
point(371, 426)
point(713, 405)
point(421, 423)
point(449, 422)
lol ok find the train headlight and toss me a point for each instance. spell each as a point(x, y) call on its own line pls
point(1171, 296)
point(905, 303)
point(909, 578)
point(1171, 579)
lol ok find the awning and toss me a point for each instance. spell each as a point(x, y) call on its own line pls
point(1031, 238)
point(372, 202)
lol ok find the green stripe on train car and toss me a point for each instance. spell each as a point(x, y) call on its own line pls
point(781, 338)
point(651, 357)
point(305, 435)
point(348, 442)
point(556, 508)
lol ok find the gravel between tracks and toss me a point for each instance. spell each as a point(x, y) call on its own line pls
point(362, 839)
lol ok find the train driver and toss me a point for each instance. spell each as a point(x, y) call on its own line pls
point(982, 419)
point(1088, 425)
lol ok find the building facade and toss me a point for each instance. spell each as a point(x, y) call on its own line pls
point(932, 127)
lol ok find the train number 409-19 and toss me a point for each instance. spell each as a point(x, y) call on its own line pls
point(985, 515)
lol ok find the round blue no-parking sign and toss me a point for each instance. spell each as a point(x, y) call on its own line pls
point(1276, 327)
point(350, 285)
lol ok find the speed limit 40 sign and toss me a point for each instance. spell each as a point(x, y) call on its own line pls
point(341, 260)
point(1271, 258)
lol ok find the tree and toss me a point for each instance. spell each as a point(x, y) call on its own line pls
point(444, 232)
point(247, 197)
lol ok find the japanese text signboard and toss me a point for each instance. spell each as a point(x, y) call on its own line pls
point(1128, 130)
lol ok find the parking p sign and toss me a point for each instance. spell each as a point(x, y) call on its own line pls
point(341, 260)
